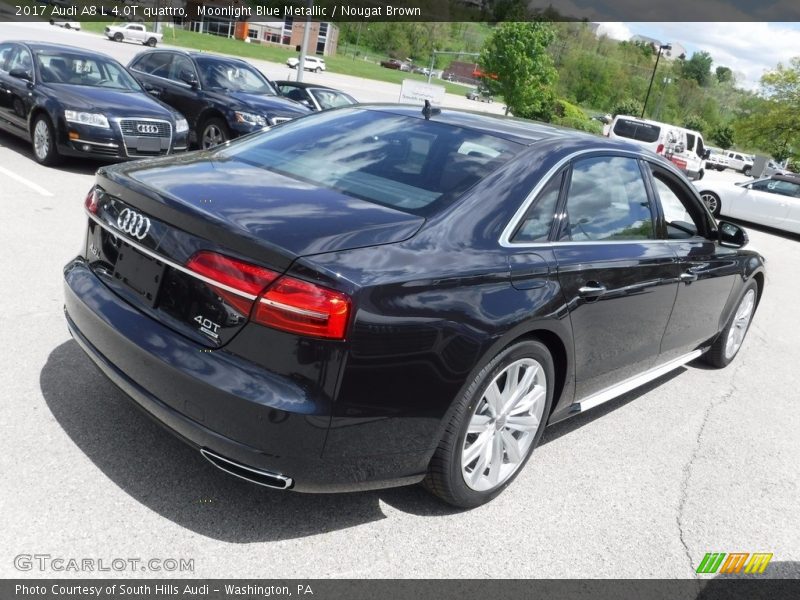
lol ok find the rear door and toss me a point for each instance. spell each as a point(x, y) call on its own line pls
point(618, 280)
point(706, 270)
point(17, 93)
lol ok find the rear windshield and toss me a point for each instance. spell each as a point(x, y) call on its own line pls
point(407, 163)
point(636, 130)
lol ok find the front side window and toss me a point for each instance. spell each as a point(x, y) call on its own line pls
point(607, 201)
point(683, 216)
point(776, 186)
point(407, 163)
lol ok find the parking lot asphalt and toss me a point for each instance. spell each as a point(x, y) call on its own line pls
point(643, 486)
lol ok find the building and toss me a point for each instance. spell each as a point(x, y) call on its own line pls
point(323, 39)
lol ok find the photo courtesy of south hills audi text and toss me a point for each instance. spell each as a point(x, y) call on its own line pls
point(79, 591)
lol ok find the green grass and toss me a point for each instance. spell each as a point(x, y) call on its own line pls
point(345, 65)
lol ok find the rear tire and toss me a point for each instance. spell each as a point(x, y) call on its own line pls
point(730, 340)
point(494, 426)
point(44, 142)
point(151, 42)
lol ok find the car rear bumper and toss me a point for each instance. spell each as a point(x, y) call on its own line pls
point(258, 428)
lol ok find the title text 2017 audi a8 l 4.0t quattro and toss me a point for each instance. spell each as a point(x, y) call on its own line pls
point(379, 295)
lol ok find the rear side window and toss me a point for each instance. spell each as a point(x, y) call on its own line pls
point(607, 200)
point(636, 130)
point(538, 220)
point(408, 163)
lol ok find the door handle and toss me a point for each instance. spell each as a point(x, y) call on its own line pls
point(689, 276)
point(592, 289)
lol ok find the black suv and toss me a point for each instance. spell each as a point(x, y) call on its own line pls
point(221, 98)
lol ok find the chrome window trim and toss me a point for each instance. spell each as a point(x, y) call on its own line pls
point(167, 261)
point(516, 219)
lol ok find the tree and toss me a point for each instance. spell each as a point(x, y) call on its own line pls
point(516, 53)
point(695, 123)
point(773, 123)
point(628, 106)
point(698, 68)
point(723, 136)
point(724, 75)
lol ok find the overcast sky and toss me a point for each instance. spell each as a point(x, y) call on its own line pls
point(748, 49)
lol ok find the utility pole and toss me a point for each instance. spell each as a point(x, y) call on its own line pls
point(301, 64)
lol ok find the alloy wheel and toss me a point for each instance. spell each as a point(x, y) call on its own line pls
point(41, 140)
point(711, 202)
point(213, 136)
point(741, 321)
point(503, 425)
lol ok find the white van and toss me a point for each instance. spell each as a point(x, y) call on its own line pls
point(657, 137)
point(692, 150)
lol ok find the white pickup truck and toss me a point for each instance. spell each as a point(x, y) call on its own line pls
point(133, 32)
point(739, 162)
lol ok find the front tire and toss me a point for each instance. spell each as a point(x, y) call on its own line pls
point(118, 37)
point(317, 70)
point(494, 426)
point(727, 345)
point(213, 133)
point(746, 171)
point(44, 142)
point(712, 201)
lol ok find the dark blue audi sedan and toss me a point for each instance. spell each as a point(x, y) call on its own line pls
point(379, 295)
point(69, 101)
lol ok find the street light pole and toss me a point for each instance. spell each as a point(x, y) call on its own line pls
point(653, 76)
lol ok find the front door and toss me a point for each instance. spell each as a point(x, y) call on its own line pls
point(618, 280)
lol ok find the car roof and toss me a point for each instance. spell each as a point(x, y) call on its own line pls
point(791, 178)
point(513, 129)
point(64, 48)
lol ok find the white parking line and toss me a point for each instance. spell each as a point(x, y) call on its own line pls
point(36, 188)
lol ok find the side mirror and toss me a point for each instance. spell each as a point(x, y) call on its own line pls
point(732, 236)
point(20, 74)
point(188, 78)
point(707, 154)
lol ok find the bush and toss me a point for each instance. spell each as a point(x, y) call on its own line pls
point(584, 124)
point(695, 123)
point(628, 106)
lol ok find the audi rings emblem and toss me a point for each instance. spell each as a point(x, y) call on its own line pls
point(133, 223)
point(142, 128)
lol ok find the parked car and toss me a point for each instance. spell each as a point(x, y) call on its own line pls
point(222, 98)
point(312, 63)
point(378, 296)
point(774, 168)
point(717, 160)
point(66, 24)
point(315, 97)
point(393, 63)
point(739, 161)
point(421, 70)
point(480, 94)
point(133, 32)
point(772, 201)
point(69, 101)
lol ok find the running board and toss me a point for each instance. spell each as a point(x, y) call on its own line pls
point(632, 383)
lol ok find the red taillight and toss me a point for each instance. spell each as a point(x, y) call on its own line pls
point(235, 274)
point(91, 202)
point(289, 304)
point(305, 308)
point(660, 149)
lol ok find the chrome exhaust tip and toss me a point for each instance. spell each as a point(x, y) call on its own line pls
point(257, 476)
